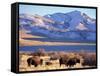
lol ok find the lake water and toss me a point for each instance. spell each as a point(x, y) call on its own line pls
point(67, 48)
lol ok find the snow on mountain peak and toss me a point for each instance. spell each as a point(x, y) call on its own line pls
point(89, 19)
point(81, 26)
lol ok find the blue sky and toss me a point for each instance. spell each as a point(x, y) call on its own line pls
point(43, 10)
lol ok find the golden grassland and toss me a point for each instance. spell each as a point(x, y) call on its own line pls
point(23, 56)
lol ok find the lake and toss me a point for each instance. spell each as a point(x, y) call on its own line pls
point(67, 48)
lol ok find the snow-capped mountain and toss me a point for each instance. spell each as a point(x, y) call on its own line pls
point(72, 25)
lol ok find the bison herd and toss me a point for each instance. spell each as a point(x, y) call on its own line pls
point(69, 62)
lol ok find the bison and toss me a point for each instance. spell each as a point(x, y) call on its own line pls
point(69, 62)
point(89, 62)
point(62, 61)
point(34, 61)
point(89, 59)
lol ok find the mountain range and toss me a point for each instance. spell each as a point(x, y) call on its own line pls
point(71, 26)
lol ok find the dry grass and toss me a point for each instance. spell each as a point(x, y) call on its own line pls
point(55, 63)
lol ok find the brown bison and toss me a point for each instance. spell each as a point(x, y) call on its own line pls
point(34, 61)
point(69, 62)
point(89, 62)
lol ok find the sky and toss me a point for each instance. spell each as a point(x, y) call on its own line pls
point(44, 10)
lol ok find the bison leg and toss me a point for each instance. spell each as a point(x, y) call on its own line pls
point(35, 65)
point(41, 61)
point(60, 61)
point(29, 62)
point(60, 64)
